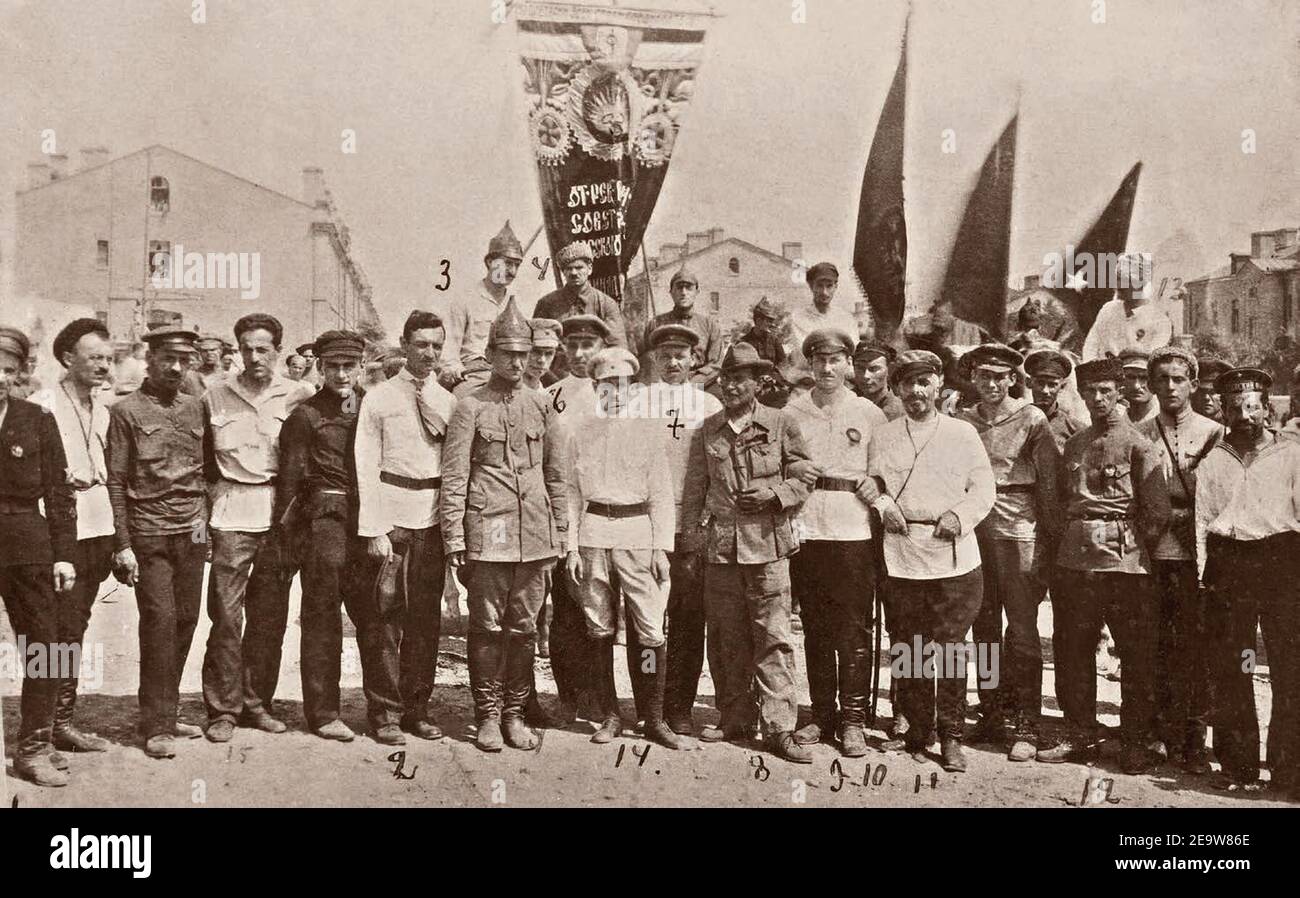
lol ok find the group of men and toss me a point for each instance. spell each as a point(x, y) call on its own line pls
point(536, 457)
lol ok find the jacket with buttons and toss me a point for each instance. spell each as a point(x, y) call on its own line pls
point(33, 467)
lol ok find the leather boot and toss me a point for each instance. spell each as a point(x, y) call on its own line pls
point(518, 686)
point(635, 661)
point(67, 737)
point(484, 650)
point(611, 725)
point(653, 684)
point(36, 767)
point(855, 686)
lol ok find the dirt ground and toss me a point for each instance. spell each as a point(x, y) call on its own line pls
point(300, 769)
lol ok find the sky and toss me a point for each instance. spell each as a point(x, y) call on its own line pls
point(771, 150)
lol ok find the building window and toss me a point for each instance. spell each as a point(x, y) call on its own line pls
point(101, 254)
point(160, 258)
point(715, 301)
point(734, 265)
point(159, 193)
point(1236, 315)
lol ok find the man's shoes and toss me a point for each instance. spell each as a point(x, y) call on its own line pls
point(1159, 749)
point(1197, 761)
point(1022, 750)
point(262, 720)
point(917, 752)
point(517, 734)
point(681, 724)
point(661, 734)
point(58, 760)
point(718, 734)
point(534, 714)
point(183, 730)
point(422, 729)
point(336, 730)
point(69, 738)
point(853, 741)
point(1024, 744)
point(38, 769)
point(1066, 750)
point(954, 761)
point(1137, 759)
point(161, 746)
point(488, 737)
point(898, 744)
point(814, 732)
point(783, 745)
point(220, 730)
point(389, 734)
point(610, 729)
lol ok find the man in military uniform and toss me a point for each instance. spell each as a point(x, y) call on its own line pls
point(317, 497)
point(469, 316)
point(871, 361)
point(1205, 398)
point(762, 335)
point(682, 407)
point(39, 554)
point(745, 504)
point(400, 451)
point(546, 342)
point(1248, 537)
point(83, 348)
point(1048, 370)
point(1142, 403)
point(503, 514)
point(160, 509)
point(685, 287)
point(1025, 464)
point(1182, 439)
point(1116, 507)
point(832, 575)
point(573, 395)
point(579, 297)
point(210, 359)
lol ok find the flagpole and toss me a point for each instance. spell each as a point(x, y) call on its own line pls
point(4, 781)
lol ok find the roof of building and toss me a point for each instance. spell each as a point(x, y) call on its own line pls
point(674, 264)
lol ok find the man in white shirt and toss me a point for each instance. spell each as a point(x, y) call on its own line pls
point(832, 575)
point(250, 571)
point(934, 485)
point(823, 279)
point(1132, 319)
point(83, 347)
point(470, 317)
point(401, 429)
point(1248, 534)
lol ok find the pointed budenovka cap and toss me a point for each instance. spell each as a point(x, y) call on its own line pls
point(511, 329)
point(505, 244)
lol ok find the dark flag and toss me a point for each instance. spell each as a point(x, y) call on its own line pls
point(975, 283)
point(880, 245)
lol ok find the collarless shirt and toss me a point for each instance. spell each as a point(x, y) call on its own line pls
point(1247, 497)
point(84, 437)
point(837, 436)
point(469, 319)
point(1024, 459)
point(620, 461)
point(1191, 440)
point(392, 438)
point(572, 398)
point(807, 318)
point(681, 410)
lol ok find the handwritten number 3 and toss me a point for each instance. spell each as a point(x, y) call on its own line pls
point(446, 276)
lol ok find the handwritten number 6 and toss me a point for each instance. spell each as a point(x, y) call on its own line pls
point(559, 404)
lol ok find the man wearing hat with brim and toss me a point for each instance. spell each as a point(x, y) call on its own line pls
point(685, 287)
point(547, 333)
point(470, 314)
point(933, 486)
point(400, 464)
point(1116, 506)
point(572, 395)
point(745, 504)
point(682, 407)
point(622, 525)
point(832, 575)
point(38, 557)
point(317, 498)
point(762, 334)
point(311, 373)
point(1142, 403)
point(210, 359)
point(1248, 535)
point(160, 514)
point(503, 514)
point(823, 279)
point(1026, 463)
point(1205, 398)
point(871, 361)
point(1047, 372)
point(579, 297)
point(1132, 318)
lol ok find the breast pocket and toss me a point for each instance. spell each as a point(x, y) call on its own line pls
point(230, 432)
point(490, 447)
point(764, 462)
point(151, 442)
point(533, 437)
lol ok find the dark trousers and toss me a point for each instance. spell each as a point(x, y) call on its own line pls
point(332, 560)
point(1011, 585)
point(572, 650)
point(28, 594)
point(835, 584)
point(1182, 657)
point(168, 591)
point(939, 611)
point(93, 561)
point(685, 656)
point(398, 638)
point(242, 665)
point(1253, 583)
point(1082, 601)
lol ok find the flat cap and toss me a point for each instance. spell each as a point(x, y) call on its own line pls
point(673, 335)
point(767, 309)
point(1209, 368)
point(1048, 362)
point(585, 326)
point(823, 269)
point(993, 355)
point(866, 350)
point(210, 340)
point(578, 249)
point(915, 361)
point(1243, 380)
point(1134, 357)
point(183, 337)
point(14, 342)
point(340, 344)
point(827, 339)
point(546, 332)
point(683, 275)
point(510, 330)
point(1165, 353)
point(743, 356)
point(614, 361)
point(1098, 370)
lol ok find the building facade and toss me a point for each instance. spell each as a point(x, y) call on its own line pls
point(160, 237)
point(1255, 299)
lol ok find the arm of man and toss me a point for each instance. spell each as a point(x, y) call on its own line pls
point(120, 457)
point(295, 443)
point(1148, 475)
point(1046, 459)
point(695, 487)
point(663, 505)
point(367, 452)
point(60, 503)
point(554, 467)
point(979, 489)
point(457, 330)
point(712, 349)
point(456, 453)
point(792, 491)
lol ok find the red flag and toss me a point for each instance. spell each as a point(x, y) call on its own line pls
point(880, 245)
point(975, 283)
